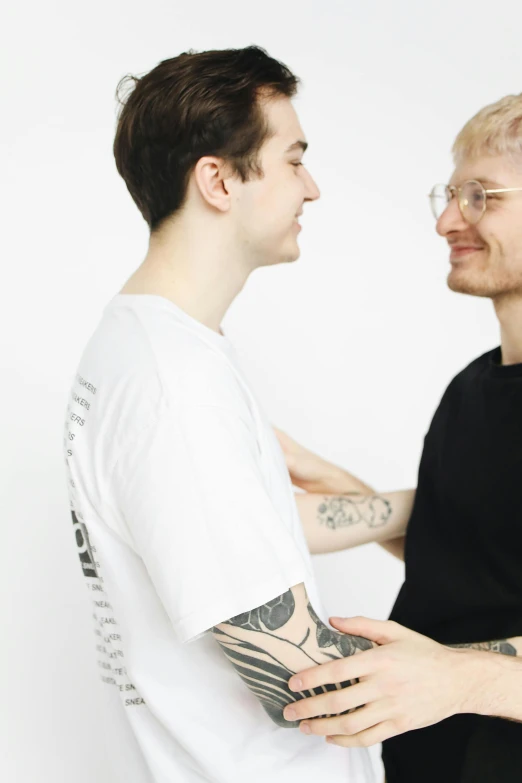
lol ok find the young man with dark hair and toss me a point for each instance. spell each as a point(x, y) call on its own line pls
point(184, 514)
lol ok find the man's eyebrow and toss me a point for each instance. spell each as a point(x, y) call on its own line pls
point(302, 145)
point(488, 181)
point(484, 181)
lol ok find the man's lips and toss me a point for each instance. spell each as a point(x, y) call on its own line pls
point(458, 251)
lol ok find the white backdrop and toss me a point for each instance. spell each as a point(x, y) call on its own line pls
point(349, 349)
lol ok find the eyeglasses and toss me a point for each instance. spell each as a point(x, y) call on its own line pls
point(471, 197)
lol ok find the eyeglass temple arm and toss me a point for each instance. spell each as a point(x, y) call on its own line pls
point(500, 190)
point(453, 188)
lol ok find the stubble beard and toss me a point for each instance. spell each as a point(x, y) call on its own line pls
point(489, 280)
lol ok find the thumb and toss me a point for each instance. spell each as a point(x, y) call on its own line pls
point(379, 631)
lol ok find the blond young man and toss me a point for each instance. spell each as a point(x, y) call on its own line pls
point(444, 712)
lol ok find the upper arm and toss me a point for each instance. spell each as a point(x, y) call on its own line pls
point(270, 643)
point(194, 499)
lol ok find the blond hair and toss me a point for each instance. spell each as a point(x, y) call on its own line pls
point(494, 130)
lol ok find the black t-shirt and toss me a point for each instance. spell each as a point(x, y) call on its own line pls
point(464, 565)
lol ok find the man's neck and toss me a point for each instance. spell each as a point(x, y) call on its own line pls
point(196, 269)
point(509, 313)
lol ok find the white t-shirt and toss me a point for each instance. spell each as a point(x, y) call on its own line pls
point(184, 516)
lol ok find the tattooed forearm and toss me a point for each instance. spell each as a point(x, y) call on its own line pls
point(344, 643)
point(341, 511)
point(267, 648)
point(501, 646)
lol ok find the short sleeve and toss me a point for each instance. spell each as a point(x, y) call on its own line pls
point(193, 497)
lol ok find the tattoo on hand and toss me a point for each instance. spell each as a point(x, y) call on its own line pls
point(501, 646)
point(342, 511)
point(266, 673)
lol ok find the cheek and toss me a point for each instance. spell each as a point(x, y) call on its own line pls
point(500, 246)
point(283, 200)
point(501, 232)
point(486, 235)
point(270, 205)
point(511, 237)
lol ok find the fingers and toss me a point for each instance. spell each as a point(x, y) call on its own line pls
point(352, 668)
point(332, 702)
point(380, 631)
point(285, 440)
point(347, 725)
point(372, 736)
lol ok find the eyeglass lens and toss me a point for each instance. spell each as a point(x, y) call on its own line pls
point(471, 196)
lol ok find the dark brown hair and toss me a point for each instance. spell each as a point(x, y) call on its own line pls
point(189, 106)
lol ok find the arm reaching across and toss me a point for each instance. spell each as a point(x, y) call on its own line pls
point(272, 642)
point(384, 517)
point(408, 682)
point(335, 522)
point(314, 474)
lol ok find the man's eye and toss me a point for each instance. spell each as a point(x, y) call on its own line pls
point(299, 163)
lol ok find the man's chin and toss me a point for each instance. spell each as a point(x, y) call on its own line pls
point(284, 258)
point(465, 283)
point(292, 255)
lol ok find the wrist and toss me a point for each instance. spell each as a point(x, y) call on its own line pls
point(337, 480)
point(478, 674)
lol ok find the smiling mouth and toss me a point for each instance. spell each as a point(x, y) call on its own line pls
point(460, 252)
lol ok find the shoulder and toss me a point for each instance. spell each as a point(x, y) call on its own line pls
point(198, 374)
point(192, 365)
point(142, 366)
point(473, 370)
point(462, 383)
point(481, 363)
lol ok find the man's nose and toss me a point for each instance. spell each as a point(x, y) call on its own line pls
point(312, 192)
point(451, 220)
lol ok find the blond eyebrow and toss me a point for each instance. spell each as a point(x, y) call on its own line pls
point(302, 145)
point(484, 181)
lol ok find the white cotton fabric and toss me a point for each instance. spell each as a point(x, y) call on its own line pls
point(184, 516)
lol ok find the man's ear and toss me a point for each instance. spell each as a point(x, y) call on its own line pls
point(213, 177)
